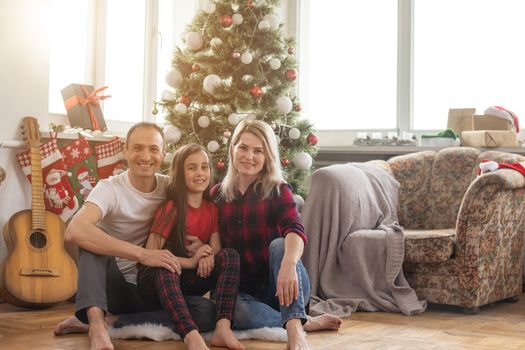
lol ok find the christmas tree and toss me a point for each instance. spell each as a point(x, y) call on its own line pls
point(236, 63)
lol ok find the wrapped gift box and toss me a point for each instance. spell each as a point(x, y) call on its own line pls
point(460, 119)
point(83, 106)
point(488, 122)
point(489, 138)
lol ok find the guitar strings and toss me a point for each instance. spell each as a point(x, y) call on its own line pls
point(39, 226)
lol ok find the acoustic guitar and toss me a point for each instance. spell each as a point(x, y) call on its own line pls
point(37, 272)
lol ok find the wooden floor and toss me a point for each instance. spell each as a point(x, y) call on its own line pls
point(500, 326)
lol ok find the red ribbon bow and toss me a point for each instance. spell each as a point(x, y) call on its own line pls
point(89, 100)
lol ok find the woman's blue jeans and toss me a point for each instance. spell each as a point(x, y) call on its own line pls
point(252, 312)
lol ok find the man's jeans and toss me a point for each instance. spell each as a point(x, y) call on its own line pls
point(252, 312)
point(101, 284)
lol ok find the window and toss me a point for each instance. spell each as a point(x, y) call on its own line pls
point(364, 65)
point(385, 64)
point(350, 51)
point(126, 45)
point(124, 60)
point(68, 43)
point(467, 53)
point(174, 16)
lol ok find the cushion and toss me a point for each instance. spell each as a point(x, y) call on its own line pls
point(429, 246)
point(413, 173)
point(449, 180)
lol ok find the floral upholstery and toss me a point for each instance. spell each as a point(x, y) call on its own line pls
point(464, 233)
point(429, 246)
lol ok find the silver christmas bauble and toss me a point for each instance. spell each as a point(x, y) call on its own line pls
point(174, 79)
point(213, 146)
point(172, 134)
point(194, 40)
point(210, 83)
point(203, 121)
point(294, 133)
point(302, 161)
point(283, 104)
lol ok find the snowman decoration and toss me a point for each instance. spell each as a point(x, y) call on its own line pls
point(86, 182)
point(56, 192)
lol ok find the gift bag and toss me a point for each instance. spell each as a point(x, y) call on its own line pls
point(59, 197)
point(80, 161)
point(109, 158)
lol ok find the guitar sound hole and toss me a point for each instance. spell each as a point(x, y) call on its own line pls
point(38, 239)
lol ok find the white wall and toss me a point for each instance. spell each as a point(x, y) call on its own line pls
point(23, 91)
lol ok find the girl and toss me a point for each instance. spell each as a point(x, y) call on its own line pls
point(187, 211)
point(258, 218)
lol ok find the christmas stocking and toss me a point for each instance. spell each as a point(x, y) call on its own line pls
point(58, 194)
point(80, 161)
point(109, 158)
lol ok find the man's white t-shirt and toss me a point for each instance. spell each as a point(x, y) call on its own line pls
point(127, 213)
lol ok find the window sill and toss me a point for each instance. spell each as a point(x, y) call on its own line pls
point(336, 155)
point(404, 149)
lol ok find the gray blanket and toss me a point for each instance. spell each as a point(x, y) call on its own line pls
point(355, 246)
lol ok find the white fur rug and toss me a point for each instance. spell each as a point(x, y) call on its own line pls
point(159, 332)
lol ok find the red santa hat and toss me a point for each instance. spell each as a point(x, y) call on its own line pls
point(487, 166)
point(59, 172)
point(81, 170)
point(503, 113)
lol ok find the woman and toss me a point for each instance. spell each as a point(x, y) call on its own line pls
point(258, 218)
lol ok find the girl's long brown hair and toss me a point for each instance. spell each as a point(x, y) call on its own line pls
point(177, 192)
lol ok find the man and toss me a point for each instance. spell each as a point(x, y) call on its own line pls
point(110, 230)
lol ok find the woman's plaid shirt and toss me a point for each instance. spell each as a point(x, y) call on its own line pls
point(248, 224)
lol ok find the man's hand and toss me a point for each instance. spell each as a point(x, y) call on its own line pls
point(206, 266)
point(287, 283)
point(202, 252)
point(194, 244)
point(161, 258)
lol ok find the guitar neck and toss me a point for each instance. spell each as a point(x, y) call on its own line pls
point(38, 209)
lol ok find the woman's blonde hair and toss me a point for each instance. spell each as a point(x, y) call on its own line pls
point(271, 176)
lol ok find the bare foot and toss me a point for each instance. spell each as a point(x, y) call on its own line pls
point(71, 325)
point(194, 341)
point(74, 325)
point(98, 336)
point(296, 335)
point(223, 336)
point(323, 322)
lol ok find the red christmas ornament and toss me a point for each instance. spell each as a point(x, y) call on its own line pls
point(184, 99)
point(195, 67)
point(285, 162)
point(220, 165)
point(256, 91)
point(291, 50)
point(226, 21)
point(312, 139)
point(290, 74)
point(297, 107)
point(250, 4)
point(236, 55)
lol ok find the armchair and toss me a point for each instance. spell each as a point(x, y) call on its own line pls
point(463, 234)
